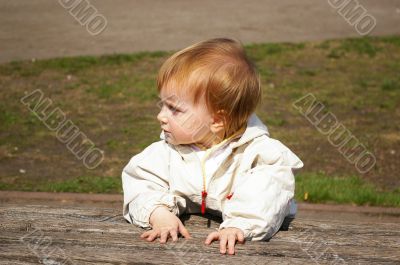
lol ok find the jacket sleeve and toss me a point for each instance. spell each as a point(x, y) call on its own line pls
point(261, 195)
point(145, 182)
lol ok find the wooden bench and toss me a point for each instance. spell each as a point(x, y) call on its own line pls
point(87, 234)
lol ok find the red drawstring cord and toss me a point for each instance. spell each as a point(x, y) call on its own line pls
point(204, 192)
point(203, 201)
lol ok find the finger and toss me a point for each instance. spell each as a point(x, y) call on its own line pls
point(164, 236)
point(184, 232)
point(231, 244)
point(145, 234)
point(222, 244)
point(153, 235)
point(211, 237)
point(240, 237)
point(174, 235)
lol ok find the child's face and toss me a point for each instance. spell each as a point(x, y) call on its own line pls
point(183, 122)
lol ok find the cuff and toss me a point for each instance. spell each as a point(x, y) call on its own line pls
point(140, 215)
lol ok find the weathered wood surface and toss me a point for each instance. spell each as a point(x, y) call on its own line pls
point(43, 234)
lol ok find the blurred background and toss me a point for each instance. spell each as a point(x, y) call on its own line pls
point(78, 96)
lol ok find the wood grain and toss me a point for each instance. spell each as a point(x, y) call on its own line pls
point(43, 234)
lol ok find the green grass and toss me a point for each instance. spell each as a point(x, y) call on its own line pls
point(7, 118)
point(391, 84)
point(85, 184)
point(395, 40)
point(73, 65)
point(362, 46)
point(257, 52)
point(82, 184)
point(320, 188)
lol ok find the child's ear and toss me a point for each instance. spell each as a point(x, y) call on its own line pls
point(218, 123)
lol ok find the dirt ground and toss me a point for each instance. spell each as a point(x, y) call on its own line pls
point(44, 29)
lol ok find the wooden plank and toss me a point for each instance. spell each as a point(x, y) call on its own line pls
point(91, 235)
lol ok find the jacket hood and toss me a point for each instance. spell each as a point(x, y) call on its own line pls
point(255, 128)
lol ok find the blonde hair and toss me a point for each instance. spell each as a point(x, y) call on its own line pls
point(219, 70)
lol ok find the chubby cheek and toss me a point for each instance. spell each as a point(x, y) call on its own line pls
point(184, 134)
point(183, 123)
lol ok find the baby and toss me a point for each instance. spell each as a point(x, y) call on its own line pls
point(214, 155)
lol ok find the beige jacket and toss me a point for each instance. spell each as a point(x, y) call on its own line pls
point(251, 189)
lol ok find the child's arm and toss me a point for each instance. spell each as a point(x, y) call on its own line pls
point(145, 182)
point(261, 196)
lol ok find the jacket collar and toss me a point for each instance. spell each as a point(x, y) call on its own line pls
point(255, 128)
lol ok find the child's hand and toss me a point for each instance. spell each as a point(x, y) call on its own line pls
point(226, 236)
point(164, 224)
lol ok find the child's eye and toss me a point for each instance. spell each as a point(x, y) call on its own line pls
point(173, 109)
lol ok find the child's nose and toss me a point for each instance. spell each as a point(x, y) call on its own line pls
point(161, 117)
